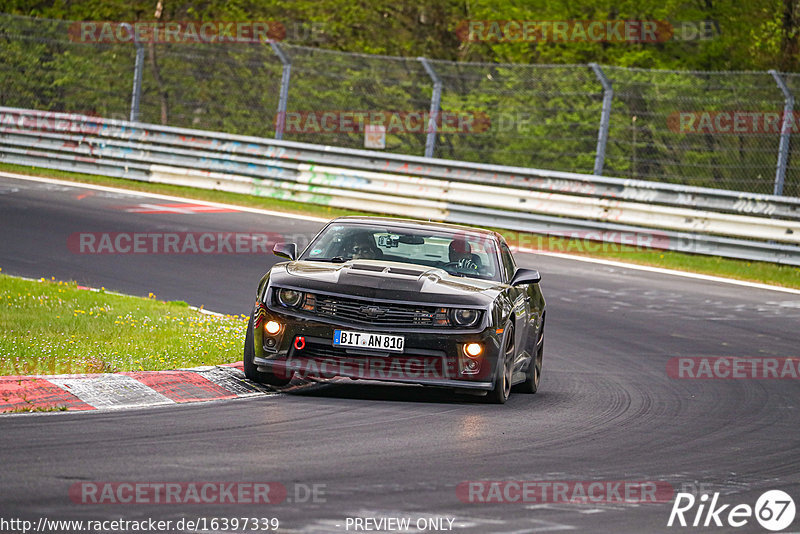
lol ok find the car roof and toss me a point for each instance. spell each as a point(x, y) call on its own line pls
point(415, 224)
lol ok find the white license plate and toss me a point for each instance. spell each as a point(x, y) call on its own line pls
point(366, 340)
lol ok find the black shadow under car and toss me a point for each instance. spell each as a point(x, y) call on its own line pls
point(400, 301)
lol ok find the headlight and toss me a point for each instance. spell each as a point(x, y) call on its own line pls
point(464, 317)
point(290, 297)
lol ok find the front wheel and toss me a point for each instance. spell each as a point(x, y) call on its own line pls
point(250, 370)
point(505, 368)
point(534, 374)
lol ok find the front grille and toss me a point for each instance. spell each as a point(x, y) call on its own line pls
point(367, 312)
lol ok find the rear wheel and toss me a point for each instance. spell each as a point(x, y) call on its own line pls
point(505, 368)
point(250, 370)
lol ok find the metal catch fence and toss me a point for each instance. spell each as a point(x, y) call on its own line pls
point(722, 130)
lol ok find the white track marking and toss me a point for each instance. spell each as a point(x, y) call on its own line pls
point(162, 208)
point(660, 270)
point(161, 197)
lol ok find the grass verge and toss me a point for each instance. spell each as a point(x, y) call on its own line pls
point(54, 327)
point(762, 272)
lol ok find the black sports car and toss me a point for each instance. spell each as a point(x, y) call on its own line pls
point(401, 301)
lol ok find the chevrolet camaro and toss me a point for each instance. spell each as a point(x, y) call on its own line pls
point(400, 301)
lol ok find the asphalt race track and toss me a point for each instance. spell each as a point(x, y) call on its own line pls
point(607, 410)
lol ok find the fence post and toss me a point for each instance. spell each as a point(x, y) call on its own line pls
point(605, 119)
point(286, 74)
point(136, 95)
point(436, 98)
point(786, 130)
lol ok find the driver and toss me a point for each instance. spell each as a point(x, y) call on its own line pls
point(363, 247)
point(460, 252)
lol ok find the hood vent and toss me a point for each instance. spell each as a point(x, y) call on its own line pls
point(406, 272)
point(368, 267)
point(402, 271)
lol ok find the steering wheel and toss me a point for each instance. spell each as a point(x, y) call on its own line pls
point(458, 266)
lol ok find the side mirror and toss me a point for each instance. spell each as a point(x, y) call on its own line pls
point(525, 276)
point(285, 250)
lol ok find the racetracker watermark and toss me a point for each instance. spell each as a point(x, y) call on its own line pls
point(176, 242)
point(47, 121)
point(395, 122)
point(733, 122)
point(399, 367)
point(733, 368)
point(177, 32)
point(180, 493)
point(198, 524)
point(564, 491)
point(595, 241)
point(601, 31)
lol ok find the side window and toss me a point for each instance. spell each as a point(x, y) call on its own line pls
point(508, 262)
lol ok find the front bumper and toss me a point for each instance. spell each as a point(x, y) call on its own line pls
point(430, 357)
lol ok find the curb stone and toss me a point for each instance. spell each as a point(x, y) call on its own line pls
point(126, 390)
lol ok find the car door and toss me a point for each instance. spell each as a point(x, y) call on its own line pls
point(521, 297)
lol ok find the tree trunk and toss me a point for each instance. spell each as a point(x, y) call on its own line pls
point(790, 36)
point(163, 94)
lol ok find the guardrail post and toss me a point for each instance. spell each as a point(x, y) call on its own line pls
point(286, 74)
point(436, 99)
point(786, 131)
point(137, 74)
point(605, 119)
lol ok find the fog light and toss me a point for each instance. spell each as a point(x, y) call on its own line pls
point(270, 342)
point(473, 350)
point(471, 365)
point(272, 327)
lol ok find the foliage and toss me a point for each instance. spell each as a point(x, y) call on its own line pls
point(542, 100)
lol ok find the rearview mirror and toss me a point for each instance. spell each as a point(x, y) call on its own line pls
point(285, 250)
point(525, 276)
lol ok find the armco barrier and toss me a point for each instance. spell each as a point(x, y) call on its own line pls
point(690, 219)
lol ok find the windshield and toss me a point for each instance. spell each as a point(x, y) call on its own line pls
point(458, 253)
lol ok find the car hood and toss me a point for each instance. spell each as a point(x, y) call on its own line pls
point(386, 280)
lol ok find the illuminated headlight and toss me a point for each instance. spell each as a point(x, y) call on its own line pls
point(464, 317)
point(290, 297)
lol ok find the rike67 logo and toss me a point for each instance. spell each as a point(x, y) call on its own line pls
point(774, 510)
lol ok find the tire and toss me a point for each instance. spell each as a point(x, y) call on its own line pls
point(534, 373)
point(250, 371)
point(502, 379)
